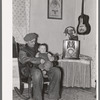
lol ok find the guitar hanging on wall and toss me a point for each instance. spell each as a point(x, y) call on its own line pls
point(83, 27)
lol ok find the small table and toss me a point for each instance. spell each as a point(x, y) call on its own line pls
point(76, 73)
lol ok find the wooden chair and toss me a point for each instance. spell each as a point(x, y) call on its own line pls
point(25, 80)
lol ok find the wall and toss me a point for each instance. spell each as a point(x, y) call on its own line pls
point(51, 30)
point(20, 20)
point(88, 42)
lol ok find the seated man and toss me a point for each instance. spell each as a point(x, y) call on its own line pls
point(27, 55)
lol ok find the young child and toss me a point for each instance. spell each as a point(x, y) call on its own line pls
point(43, 53)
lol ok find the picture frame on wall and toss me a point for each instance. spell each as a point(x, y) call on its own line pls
point(55, 9)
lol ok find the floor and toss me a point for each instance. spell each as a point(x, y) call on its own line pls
point(69, 94)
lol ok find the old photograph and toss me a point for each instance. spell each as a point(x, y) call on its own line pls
point(54, 49)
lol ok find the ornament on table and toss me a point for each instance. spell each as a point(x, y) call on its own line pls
point(70, 33)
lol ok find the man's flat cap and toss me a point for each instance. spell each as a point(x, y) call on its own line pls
point(30, 37)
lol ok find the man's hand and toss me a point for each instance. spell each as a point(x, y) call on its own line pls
point(42, 61)
point(51, 58)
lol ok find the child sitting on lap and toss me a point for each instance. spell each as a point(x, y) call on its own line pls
point(43, 54)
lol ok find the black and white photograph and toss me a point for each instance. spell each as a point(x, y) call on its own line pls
point(54, 46)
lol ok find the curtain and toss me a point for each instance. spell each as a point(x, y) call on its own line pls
point(21, 12)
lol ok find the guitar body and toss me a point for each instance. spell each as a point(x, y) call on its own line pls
point(83, 27)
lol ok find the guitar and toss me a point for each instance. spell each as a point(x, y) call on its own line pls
point(83, 27)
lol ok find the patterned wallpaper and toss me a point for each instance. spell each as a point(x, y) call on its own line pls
point(21, 16)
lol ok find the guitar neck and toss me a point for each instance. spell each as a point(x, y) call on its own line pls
point(82, 12)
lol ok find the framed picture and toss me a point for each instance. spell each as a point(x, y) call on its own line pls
point(55, 9)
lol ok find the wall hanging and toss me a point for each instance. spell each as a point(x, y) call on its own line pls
point(83, 27)
point(55, 9)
